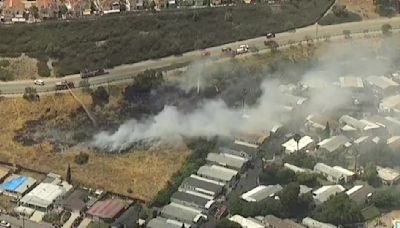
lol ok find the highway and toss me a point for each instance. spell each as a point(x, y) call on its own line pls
point(123, 73)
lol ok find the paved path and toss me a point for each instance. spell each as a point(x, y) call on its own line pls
point(71, 220)
point(85, 222)
point(124, 73)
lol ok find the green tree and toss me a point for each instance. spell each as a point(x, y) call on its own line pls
point(31, 94)
point(100, 97)
point(387, 199)
point(338, 210)
point(277, 175)
point(226, 223)
point(81, 158)
point(346, 34)
point(308, 179)
point(34, 10)
point(371, 175)
point(63, 9)
point(43, 69)
point(68, 176)
point(386, 29)
point(301, 159)
point(5, 75)
point(327, 130)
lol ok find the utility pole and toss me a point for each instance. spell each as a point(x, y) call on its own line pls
point(316, 30)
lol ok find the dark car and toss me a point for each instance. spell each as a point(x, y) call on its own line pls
point(270, 35)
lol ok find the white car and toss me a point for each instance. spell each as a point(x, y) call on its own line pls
point(39, 82)
point(5, 224)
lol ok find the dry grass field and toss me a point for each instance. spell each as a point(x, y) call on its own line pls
point(365, 8)
point(145, 172)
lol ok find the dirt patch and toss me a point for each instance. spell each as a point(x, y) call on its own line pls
point(364, 8)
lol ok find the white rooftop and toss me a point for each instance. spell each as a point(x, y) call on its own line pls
point(351, 82)
point(381, 81)
point(43, 195)
point(217, 172)
point(291, 145)
point(390, 102)
point(354, 189)
point(246, 223)
point(387, 174)
point(224, 159)
point(261, 192)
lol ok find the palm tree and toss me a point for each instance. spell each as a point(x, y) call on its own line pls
point(297, 138)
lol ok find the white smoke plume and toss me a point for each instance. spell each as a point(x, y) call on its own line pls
point(213, 117)
point(210, 119)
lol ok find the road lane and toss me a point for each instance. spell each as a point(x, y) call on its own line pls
point(124, 72)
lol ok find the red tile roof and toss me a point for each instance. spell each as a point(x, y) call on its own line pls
point(108, 209)
point(14, 5)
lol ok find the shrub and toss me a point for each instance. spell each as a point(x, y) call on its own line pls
point(43, 69)
point(132, 39)
point(4, 63)
point(79, 136)
point(31, 94)
point(81, 158)
point(6, 75)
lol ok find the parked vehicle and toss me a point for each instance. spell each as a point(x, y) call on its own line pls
point(5, 224)
point(205, 53)
point(270, 35)
point(64, 85)
point(92, 73)
point(39, 82)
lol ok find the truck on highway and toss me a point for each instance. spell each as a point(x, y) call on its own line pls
point(64, 85)
point(92, 73)
point(244, 48)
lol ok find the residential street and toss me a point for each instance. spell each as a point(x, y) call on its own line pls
point(19, 223)
point(124, 73)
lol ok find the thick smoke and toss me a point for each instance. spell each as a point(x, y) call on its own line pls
point(214, 117)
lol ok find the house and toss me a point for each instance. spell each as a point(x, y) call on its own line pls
point(271, 221)
point(160, 222)
point(394, 143)
point(318, 122)
point(107, 210)
point(255, 138)
point(360, 125)
point(193, 199)
point(128, 218)
point(305, 143)
point(360, 193)
point(390, 124)
point(325, 192)
point(291, 102)
point(349, 82)
point(337, 143)
point(218, 173)
point(296, 169)
point(16, 185)
point(238, 148)
point(390, 104)
point(389, 176)
point(246, 222)
point(334, 174)
point(227, 160)
point(304, 189)
point(202, 185)
point(75, 201)
point(331, 174)
point(261, 192)
point(312, 223)
point(382, 84)
point(347, 174)
point(183, 214)
point(43, 196)
point(315, 83)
